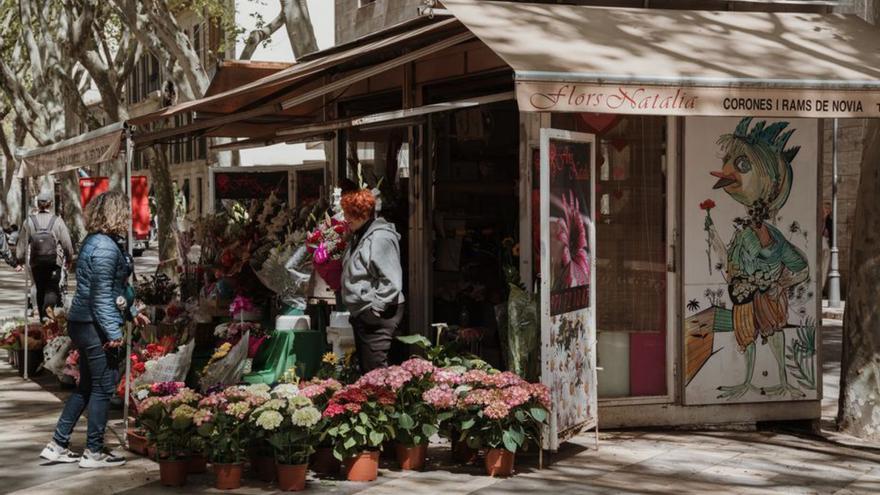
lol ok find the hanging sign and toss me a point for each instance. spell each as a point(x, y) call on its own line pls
point(692, 100)
point(84, 153)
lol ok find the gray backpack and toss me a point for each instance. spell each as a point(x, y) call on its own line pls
point(44, 245)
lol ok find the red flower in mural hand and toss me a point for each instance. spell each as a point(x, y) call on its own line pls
point(572, 235)
point(707, 204)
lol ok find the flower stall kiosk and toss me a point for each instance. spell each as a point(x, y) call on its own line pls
point(626, 216)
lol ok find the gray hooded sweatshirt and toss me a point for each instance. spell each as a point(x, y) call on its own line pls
point(372, 278)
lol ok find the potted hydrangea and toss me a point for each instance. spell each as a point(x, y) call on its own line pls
point(222, 419)
point(415, 419)
point(319, 391)
point(289, 423)
point(168, 420)
point(359, 421)
point(501, 412)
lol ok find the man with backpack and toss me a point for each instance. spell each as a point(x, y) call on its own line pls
point(48, 239)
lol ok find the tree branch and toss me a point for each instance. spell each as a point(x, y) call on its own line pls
point(257, 36)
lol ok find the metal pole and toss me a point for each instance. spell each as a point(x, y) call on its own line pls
point(834, 268)
point(27, 272)
point(122, 305)
point(129, 156)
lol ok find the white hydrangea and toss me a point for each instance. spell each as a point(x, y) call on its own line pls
point(299, 401)
point(258, 389)
point(285, 391)
point(305, 417)
point(269, 420)
point(142, 394)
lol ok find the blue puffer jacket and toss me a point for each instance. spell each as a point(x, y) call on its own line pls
point(102, 271)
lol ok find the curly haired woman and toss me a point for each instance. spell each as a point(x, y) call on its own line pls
point(372, 279)
point(95, 322)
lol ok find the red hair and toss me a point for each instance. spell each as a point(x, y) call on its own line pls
point(358, 204)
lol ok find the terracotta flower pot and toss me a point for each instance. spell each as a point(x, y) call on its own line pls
point(323, 461)
point(264, 468)
point(173, 473)
point(292, 478)
point(499, 462)
point(411, 458)
point(197, 464)
point(463, 454)
point(363, 466)
point(137, 442)
point(228, 476)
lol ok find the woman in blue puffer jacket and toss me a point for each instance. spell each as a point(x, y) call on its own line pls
point(95, 327)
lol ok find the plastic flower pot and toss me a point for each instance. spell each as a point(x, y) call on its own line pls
point(137, 442)
point(323, 462)
point(292, 477)
point(463, 454)
point(173, 473)
point(499, 462)
point(197, 464)
point(228, 476)
point(363, 466)
point(264, 468)
point(411, 457)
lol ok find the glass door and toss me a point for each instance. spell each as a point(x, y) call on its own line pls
point(568, 280)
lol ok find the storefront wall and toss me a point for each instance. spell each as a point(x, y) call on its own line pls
point(646, 368)
point(673, 370)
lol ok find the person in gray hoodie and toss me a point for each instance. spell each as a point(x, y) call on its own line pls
point(372, 279)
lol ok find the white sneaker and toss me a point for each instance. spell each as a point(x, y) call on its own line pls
point(56, 453)
point(91, 460)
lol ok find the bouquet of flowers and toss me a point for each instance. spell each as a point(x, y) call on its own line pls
point(227, 364)
point(327, 245)
point(71, 365)
point(289, 423)
point(57, 342)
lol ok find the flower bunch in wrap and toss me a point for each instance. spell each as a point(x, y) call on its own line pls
point(327, 242)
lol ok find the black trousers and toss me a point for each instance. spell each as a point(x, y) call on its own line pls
point(373, 336)
point(47, 279)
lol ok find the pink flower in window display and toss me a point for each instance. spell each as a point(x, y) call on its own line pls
point(572, 234)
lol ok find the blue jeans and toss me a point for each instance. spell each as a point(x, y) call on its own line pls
point(98, 376)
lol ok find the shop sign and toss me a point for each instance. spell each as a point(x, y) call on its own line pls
point(693, 100)
point(79, 155)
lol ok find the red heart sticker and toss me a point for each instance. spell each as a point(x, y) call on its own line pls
point(599, 123)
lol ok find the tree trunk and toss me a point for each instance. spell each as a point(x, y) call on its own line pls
point(299, 27)
point(859, 402)
point(164, 188)
point(72, 213)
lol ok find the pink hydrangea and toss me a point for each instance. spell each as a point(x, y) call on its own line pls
point(148, 403)
point(202, 416)
point(479, 397)
point(516, 395)
point(478, 377)
point(447, 376)
point(393, 377)
point(441, 397)
point(417, 366)
point(505, 379)
point(496, 410)
point(540, 392)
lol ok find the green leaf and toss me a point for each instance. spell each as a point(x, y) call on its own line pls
point(360, 429)
point(376, 438)
point(418, 340)
point(517, 435)
point(429, 430)
point(539, 413)
point(349, 443)
point(468, 424)
point(406, 422)
point(521, 416)
point(344, 428)
point(509, 442)
point(363, 417)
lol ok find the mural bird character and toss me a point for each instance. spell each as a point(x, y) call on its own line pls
point(762, 266)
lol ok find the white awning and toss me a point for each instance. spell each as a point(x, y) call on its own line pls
point(573, 58)
point(85, 150)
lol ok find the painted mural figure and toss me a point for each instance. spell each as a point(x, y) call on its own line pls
point(762, 266)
